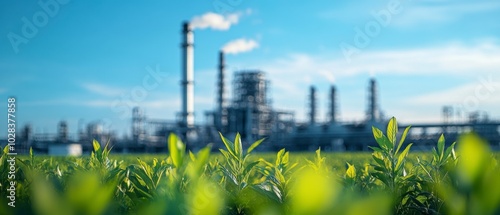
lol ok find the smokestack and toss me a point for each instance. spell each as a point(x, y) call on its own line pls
point(333, 104)
point(373, 113)
point(312, 105)
point(137, 124)
point(187, 76)
point(220, 91)
point(63, 131)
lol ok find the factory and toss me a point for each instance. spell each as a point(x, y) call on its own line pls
point(250, 113)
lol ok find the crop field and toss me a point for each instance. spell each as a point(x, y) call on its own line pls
point(454, 178)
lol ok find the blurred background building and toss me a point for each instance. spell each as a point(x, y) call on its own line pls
point(250, 112)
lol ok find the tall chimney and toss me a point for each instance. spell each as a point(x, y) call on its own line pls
point(187, 76)
point(137, 125)
point(220, 91)
point(373, 112)
point(312, 105)
point(333, 105)
point(63, 131)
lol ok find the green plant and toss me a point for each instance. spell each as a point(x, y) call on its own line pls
point(233, 182)
point(237, 170)
point(436, 172)
point(473, 187)
point(389, 163)
point(276, 181)
point(389, 168)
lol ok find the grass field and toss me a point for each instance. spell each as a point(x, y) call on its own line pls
point(389, 180)
point(335, 161)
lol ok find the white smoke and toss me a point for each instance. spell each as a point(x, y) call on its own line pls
point(215, 21)
point(240, 46)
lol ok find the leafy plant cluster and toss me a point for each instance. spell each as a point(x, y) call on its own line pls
point(465, 181)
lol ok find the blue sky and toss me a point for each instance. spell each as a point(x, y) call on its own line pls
point(86, 56)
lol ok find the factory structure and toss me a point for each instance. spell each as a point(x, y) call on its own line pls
point(250, 113)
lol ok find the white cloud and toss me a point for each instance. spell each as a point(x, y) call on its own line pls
point(480, 94)
point(453, 59)
point(215, 21)
point(291, 75)
point(103, 89)
point(240, 46)
point(484, 91)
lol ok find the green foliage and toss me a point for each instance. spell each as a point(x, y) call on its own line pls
point(389, 168)
point(391, 181)
point(177, 150)
point(435, 172)
point(277, 177)
point(389, 163)
point(237, 171)
point(474, 187)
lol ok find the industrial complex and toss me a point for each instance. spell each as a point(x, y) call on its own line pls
point(250, 113)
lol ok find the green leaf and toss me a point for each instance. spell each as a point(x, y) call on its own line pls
point(176, 149)
point(254, 145)
point(143, 173)
point(285, 158)
point(280, 177)
point(203, 155)
point(237, 146)
point(229, 145)
point(382, 177)
point(440, 146)
point(139, 187)
point(381, 139)
point(392, 130)
point(380, 168)
point(265, 162)
point(318, 154)
point(106, 149)
point(453, 154)
point(378, 160)
point(96, 145)
point(200, 161)
point(403, 155)
point(376, 149)
point(191, 155)
point(225, 153)
point(279, 156)
point(435, 155)
point(6, 149)
point(351, 171)
point(249, 167)
point(403, 138)
point(269, 194)
point(228, 174)
point(447, 153)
